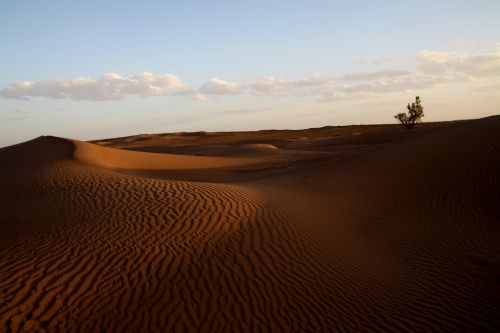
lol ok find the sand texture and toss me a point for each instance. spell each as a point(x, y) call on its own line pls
point(336, 229)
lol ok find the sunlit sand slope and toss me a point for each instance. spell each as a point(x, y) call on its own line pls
point(87, 249)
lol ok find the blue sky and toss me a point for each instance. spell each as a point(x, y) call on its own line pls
point(237, 65)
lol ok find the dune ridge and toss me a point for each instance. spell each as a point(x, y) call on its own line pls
point(400, 234)
point(125, 159)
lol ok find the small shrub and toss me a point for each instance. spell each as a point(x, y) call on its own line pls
point(414, 115)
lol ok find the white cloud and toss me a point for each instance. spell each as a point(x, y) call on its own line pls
point(472, 65)
point(431, 68)
point(354, 84)
point(110, 86)
point(198, 97)
point(221, 87)
point(280, 87)
point(313, 81)
point(270, 86)
point(342, 89)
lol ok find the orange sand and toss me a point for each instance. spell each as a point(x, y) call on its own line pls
point(357, 228)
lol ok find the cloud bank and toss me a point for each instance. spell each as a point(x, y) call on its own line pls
point(432, 68)
point(474, 66)
point(280, 87)
point(110, 86)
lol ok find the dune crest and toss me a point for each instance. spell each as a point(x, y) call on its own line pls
point(123, 159)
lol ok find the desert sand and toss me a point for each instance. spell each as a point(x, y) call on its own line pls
point(335, 229)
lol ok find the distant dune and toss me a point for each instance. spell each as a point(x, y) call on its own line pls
point(355, 228)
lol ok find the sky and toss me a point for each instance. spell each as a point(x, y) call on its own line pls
point(99, 69)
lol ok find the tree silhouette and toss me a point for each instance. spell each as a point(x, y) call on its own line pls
point(414, 115)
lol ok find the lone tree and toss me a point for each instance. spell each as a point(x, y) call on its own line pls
point(414, 115)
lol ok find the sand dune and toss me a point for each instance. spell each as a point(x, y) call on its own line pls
point(390, 230)
point(221, 150)
point(123, 159)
